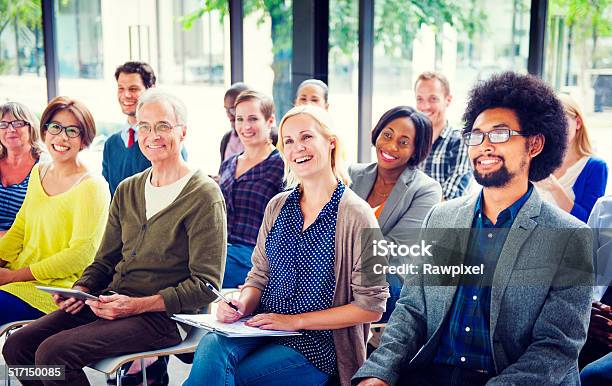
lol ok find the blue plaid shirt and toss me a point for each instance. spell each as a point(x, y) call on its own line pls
point(246, 197)
point(449, 164)
point(465, 341)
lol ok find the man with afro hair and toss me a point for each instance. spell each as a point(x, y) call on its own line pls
point(523, 320)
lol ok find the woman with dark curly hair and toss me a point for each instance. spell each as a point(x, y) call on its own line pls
point(581, 179)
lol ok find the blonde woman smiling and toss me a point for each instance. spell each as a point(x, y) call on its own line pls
point(306, 273)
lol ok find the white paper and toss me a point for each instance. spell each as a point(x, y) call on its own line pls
point(234, 330)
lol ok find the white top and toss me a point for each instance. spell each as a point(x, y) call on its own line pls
point(125, 135)
point(567, 180)
point(159, 197)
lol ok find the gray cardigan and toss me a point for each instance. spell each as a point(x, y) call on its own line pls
point(536, 331)
point(352, 287)
point(413, 195)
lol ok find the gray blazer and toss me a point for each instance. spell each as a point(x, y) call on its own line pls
point(412, 197)
point(536, 331)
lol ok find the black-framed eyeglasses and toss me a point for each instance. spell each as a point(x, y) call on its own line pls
point(16, 124)
point(475, 138)
point(160, 127)
point(56, 128)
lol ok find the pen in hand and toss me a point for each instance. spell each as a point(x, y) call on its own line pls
point(222, 297)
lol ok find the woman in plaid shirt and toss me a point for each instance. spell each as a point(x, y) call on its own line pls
point(248, 181)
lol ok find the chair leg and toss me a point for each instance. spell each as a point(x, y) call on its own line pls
point(7, 377)
point(118, 374)
point(143, 368)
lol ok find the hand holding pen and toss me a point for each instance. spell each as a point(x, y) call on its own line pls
point(228, 310)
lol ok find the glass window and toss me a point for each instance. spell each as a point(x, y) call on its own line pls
point(22, 66)
point(499, 42)
point(190, 60)
point(343, 71)
point(485, 37)
point(578, 61)
point(79, 39)
point(199, 49)
point(197, 70)
point(268, 42)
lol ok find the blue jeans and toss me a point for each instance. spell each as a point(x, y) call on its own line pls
point(237, 265)
point(395, 288)
point(221, 361)
point(598, 373)
point(14, 309)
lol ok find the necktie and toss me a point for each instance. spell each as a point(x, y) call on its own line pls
point(130, 137)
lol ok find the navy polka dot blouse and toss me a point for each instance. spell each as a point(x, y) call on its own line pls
point(302, 277)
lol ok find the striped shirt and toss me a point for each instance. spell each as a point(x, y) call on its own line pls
point(449, 164)
point(11, 198)
point(247, 196)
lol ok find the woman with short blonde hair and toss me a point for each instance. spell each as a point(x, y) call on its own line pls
point(324, 124)
point(582, 177)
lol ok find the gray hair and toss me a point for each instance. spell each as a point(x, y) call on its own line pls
point(155, 95)
point(21, 111)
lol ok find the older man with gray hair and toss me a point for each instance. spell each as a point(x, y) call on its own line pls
point(165, 238)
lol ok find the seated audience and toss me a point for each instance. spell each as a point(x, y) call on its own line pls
point(499, 327)
point(20, 150)
point(58, 229)
point(400, 195)
point(230, 143)
point(596, 356)
point(312, 91)
point(248, 181)
point(306, 274)
point(165, 238)
point(581, 179)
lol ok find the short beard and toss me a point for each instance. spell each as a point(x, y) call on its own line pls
point(497, 179)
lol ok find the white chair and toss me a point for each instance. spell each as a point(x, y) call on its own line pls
point(189, 344)
point(6, 330)
point(114, 365)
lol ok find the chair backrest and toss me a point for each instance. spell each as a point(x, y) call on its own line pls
point(8, 327)
point(191, 338)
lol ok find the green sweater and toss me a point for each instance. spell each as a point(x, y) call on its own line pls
point(172, 254)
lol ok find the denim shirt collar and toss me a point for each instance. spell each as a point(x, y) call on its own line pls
point(507, 216)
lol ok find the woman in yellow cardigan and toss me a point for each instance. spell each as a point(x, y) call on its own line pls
point(58, 229)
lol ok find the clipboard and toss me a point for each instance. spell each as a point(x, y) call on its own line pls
point(231, 330)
